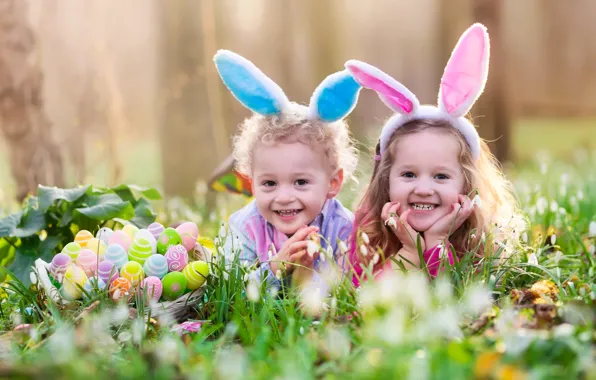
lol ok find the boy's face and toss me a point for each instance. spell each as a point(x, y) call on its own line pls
point(291, 182)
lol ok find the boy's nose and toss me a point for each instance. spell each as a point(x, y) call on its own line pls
point(285, 195)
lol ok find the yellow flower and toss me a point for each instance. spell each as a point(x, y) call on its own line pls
point(510, 372)
point(485, 364)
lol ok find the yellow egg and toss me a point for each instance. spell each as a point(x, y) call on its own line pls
point(196, 273)
point(75, 275)
point(82, 238)
point(133, 272)
point(70, 291)
point(131, 230)
point(97, 246)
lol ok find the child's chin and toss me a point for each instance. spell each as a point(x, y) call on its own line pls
point(421, 226)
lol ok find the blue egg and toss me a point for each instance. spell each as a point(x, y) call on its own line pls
point(156, 265)
point(116, 254)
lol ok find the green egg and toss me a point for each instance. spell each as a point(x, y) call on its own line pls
point(167, 238)
point(174, 285)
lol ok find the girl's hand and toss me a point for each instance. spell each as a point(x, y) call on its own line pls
point(294, 250)
point(448, 224)
point(401, 228)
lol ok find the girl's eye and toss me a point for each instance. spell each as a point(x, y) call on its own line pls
point(268, 183)
point(442, 176)
point(408, 175)
point(301, 182)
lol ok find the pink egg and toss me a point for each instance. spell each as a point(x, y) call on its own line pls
point(177, 258)
point(121, 238)
point(87, 260)
point(189, 233)
point(107, 271)
point(153, 287)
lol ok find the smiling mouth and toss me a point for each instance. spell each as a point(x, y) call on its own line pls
point(422, 206)
point(287, 213)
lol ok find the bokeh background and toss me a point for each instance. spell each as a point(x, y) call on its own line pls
point(106, 91)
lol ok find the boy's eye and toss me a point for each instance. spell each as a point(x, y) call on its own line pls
point(301, 182)
point(408, 175)
point(268, 183)
point(442, 176)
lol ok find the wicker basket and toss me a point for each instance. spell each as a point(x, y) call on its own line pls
point(180, 309)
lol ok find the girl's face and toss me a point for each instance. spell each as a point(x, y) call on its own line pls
point(426, 176)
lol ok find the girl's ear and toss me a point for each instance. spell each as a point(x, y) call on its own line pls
point(335, 183)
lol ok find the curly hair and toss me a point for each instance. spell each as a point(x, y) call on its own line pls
point(293, 125)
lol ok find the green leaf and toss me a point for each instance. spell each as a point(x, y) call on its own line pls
point(47, 247)
point(48, 195)
point(9, 224)
point(32, 222)
point(144, 214)
point(24, 259)
point(107, 206)
point(148, 192)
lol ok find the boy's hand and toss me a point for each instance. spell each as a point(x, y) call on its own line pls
point(294, 250)
point(401, 228)
point(440, 230)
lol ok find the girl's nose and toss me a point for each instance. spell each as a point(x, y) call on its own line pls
point(424, 187)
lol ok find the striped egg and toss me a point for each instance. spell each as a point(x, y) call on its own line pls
point(174, 285)
point(131, 230)
point(119, 237)
point(140, 250)
point(189, 233)
point(59, 265)
point(107, 271)
point(116, 254)
point(87, 260)
point(177, 258)
point(196, 273)
point(104, 235)
point(156, 266)
point(133, 272)
point(97, 246)
point(156, 229)
point(119, 288)
point(145, 234)
point(72, 250)
point(152, 287)
point(82, 238)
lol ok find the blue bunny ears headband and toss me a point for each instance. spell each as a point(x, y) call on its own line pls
point(332, 100)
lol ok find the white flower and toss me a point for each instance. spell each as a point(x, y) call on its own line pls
point(138, 330)
point(476, 201)
point(323, 257)
point(363, 250)
point(252, 291)
point(311, 247)
point(124, 336)
point(278, 274)
point(553, 239)
point(477, 299)
point(365, 238)
point(167, 351)
point(273, 291)
point(524, 237)
point(376, 258)
point(442, 251)
point(222, 230)
point(564, 330)
point(532, 259)
point(580, 195)
point(246, 277)
point(391, 222)
point(33, 278)
point(343, 248)
point(562, 211)
point(329, 252)
point(592, 229)
point(483, 237)
point(312, 299)
point(541, 204)
point(554, 206)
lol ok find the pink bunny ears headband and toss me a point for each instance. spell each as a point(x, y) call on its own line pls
point(462, 83)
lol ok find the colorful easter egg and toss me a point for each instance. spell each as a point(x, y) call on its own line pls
point(72, 250)
point(104, 235)
point(82, 238)
point(152, 287)
point(131, 230)
point(156, 229)
point(70, 291)
point(119, 237)
point(168, 238)
point(196, 273)
point(174, 285)
point(60, 264)
point(189, 233)
point(94, 285)
point(119, 288)
point(140, 250)
point(97, 246)
point(73, 278)
point(133, 272)
point(145, 234)
point(107, 271)
point(87, 260)
point(116, 254)
point(177, 258)
point(156, 266)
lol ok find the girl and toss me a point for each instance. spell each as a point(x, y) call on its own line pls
point(296, 158)
point(429, 162)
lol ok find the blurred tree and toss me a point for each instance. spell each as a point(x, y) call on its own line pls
point(34, 155)
point(188, 148)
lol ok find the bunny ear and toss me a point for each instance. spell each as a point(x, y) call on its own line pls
point(249, 85)
point(394, 94)
point(335, 97)
point(466, 72)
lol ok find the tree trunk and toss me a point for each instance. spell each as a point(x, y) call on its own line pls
point(186, 132)
point(34, 155)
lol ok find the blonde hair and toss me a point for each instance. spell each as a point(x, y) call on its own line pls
point(483, 176)
point(293, 125)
